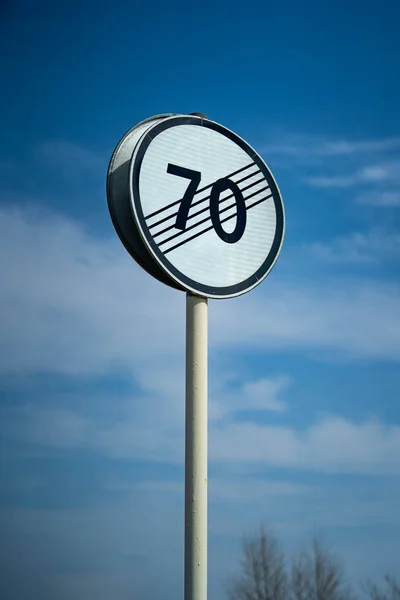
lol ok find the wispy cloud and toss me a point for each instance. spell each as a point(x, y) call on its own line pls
point(308, 146)
point(331, 445)
point(82, 306)
point(360, 248)
point(371, 174)
point(65, 288)
point(337, 163)
point(354, 318)
point(262, 394)
point(383, 198)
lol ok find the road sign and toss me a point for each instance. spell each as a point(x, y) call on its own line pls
point(195, 205)
point(199, 210)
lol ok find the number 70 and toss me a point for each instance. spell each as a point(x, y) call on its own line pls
point(216, 190)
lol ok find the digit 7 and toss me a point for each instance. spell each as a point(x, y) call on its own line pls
point(188, 196)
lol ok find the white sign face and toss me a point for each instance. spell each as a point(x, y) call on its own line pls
point(206, 205)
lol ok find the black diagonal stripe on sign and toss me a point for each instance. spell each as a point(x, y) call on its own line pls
point(160, 210)
point(208, 207)
point(180, 233)
point(212, 226)
point(173, 215)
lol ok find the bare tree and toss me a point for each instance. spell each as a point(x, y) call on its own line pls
point(262, 570)
point(300, 577)
point(390, 590)
point(318, 575)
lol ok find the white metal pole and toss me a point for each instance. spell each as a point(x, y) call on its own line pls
point(196, 448)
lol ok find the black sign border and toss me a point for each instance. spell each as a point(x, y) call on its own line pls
point(180, 278)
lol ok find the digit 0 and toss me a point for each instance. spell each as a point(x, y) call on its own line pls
point(220, 186)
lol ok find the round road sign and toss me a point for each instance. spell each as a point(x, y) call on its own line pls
point(204, 211)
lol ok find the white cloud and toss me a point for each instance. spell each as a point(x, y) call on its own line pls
point(346, 147)
point(351, 163)
point(380, 198)
point(360, 248)
point(332, 445)
point(143, 431)
point(370, 174)
point(262, 394)
point(308, 146)
point(82, 306)
point(75, 304)
point(354, 318)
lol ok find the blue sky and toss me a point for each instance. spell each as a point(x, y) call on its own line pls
point(304, 430)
